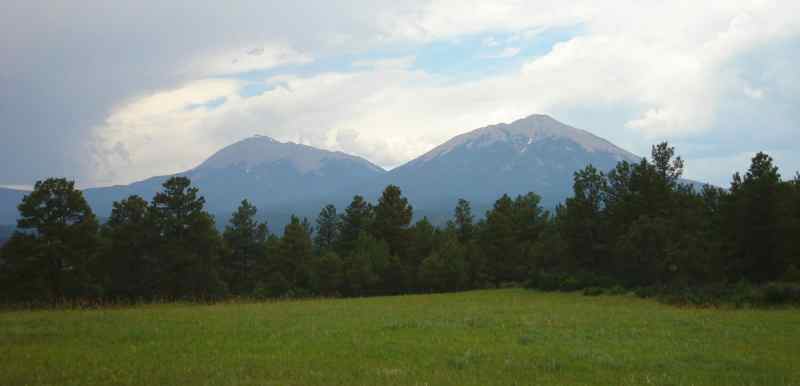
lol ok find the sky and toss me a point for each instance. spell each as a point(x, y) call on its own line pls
point(114, 92)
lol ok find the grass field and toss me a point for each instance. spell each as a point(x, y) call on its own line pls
point(502, 337)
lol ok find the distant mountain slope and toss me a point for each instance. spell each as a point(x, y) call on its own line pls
point(5, 233)
point(536, 154)
point(272, 174)
point(9, 199)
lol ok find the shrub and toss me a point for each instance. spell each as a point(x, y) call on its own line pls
point(645, 292)
point(569, 284)
point(782, 293)
point(592, 291)
point(744, 294)
point(617, 290)
point(544, 281)
point(792, 274)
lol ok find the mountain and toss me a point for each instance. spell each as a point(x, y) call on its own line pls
point(5, 233)
point(9, 199)
point(536, 153)
point(275, 176)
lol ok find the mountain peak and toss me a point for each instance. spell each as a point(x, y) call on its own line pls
point(260, 150)
point(524, 132)
point(261, 137)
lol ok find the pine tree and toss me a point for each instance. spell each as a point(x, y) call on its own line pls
point(752, 221)
point(328, 228)
point(130, 261)
point(190, 245)
point(499, 241)
point(667, 166)
point(421, 244)
point(392, 217)
point(583, 222)
point(445, 269)
point(357, 218)
point(327, 274)
point(245, 239)
point(295, 254)
point(366, 265)
point(463, 220)
point(65, 240)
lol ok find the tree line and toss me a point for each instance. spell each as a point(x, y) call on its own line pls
point(636, 226)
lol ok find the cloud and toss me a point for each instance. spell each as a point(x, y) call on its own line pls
point(508, 52)
point(239, 60)
point(490, 42)
point(716, 79)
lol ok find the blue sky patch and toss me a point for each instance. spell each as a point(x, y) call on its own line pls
point(469, 57)
point(208, 105)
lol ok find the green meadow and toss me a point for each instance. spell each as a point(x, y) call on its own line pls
point(503, 337)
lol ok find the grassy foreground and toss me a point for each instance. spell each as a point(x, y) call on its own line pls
point(473, 338)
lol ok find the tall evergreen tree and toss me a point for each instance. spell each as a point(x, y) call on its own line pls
point(583, 222)
point(667, 165)
point(190, 245)
point(245, 238)
point(130, 262)
point(65, 239)
point(357, 218)
point(499, 241)
point(463, 220)
point(392, 218)
point(328, 228)
point(753, 221)
point(295, 254)
point(421, 244)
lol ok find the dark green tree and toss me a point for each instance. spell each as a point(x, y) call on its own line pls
point(328, 228)
point(357, 218)
point(245, 239)
point(499, 241)
point(308, 227)
point(131, 264)
point(190, 245)
point(463, 220)
point(445, 269)
point(423, 238)
point(365, 265)
point(392, 218)
point(21, 277)
point(582, 222)
point(64, 240)
point(752, 222)
point(327, 274)
point(666, 164)
point(295, 254)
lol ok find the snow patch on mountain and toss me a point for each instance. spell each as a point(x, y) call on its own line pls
point(524, 132)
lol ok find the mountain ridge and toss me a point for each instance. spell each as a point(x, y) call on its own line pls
point(534, 127)
point(536, 153)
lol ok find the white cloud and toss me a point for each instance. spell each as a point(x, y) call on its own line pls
point(670, 66)
point(244, 59)
point(490, 42)
point(753, 93)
